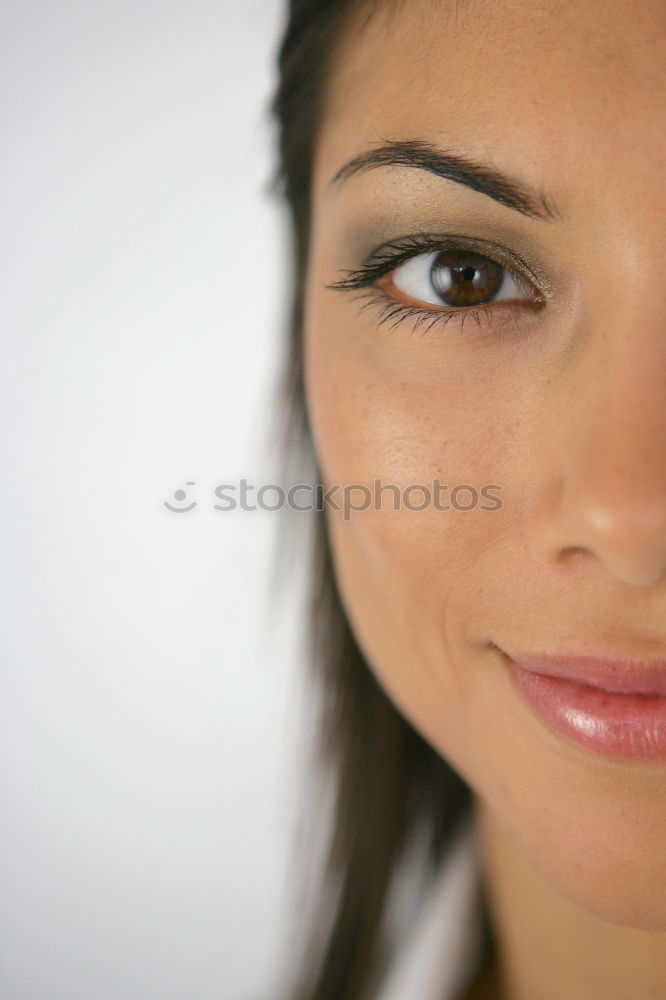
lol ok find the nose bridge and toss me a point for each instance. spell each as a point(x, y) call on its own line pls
point(623, 436)
point(607, 493)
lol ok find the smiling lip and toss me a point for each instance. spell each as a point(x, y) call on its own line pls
point(614, 707)
point(618, 676)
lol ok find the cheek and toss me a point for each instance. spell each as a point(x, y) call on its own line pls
point(409, 578)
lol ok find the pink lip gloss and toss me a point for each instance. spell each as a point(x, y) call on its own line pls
point(616, 708)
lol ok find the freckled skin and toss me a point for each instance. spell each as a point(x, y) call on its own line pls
point(565, 408)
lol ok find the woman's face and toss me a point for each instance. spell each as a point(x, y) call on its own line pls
point(555, 397)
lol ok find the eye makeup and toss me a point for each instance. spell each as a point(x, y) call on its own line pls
point(462, 260)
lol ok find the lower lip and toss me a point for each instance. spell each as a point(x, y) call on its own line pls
point(627, 726)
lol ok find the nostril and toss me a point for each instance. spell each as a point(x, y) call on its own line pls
point(573, 553)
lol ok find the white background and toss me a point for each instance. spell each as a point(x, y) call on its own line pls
point(149, 714)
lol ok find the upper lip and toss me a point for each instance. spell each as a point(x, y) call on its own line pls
point(617, 675)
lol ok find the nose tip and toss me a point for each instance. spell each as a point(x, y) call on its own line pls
point(630, 538)
point(623, 528)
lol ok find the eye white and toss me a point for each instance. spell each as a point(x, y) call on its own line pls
point(413, 279)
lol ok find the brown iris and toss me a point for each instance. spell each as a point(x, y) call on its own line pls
point(463, 278)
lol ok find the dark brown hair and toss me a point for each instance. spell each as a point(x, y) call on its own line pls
point(391, 789)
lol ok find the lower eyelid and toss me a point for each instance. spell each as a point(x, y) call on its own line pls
point(424, 320)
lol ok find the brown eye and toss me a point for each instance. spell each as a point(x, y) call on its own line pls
point(456, 279)
point(461, 278)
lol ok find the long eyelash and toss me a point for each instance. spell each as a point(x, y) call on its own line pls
point(393, 313)
point(391, 256)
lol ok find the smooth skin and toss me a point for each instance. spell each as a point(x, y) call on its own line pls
point(564, 406)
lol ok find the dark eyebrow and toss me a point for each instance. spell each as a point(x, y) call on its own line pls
point(453, 167)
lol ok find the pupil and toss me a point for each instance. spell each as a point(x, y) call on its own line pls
point(462, 278)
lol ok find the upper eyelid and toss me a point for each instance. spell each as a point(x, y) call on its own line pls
point(406, 247)
point(500, 255)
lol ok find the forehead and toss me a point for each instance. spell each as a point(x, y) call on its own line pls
point(546, 88)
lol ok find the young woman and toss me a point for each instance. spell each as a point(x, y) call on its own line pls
point(478, 365)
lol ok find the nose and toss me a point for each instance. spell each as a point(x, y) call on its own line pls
point(604, 494)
